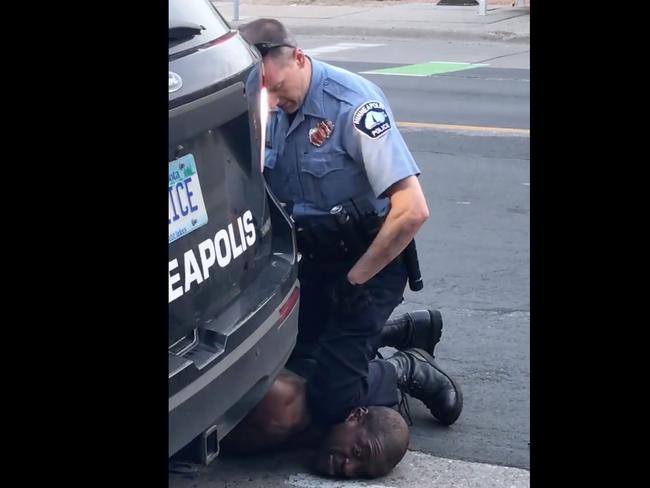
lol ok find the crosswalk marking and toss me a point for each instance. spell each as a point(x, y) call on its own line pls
point(340, 46)
point(421, 470)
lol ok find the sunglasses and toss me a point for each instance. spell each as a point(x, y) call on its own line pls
point(265, 47)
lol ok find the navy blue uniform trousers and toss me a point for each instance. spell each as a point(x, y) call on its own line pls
point(345, 374)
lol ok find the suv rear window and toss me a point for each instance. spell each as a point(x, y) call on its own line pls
point(184, 13)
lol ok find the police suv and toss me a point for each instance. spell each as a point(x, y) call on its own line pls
point(233, 288)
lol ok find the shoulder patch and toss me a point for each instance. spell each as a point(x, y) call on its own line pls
point(371, 119)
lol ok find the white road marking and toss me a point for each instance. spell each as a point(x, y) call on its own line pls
point(421, 470)
point(341, 46)
point(304, 480)
point(455, 62)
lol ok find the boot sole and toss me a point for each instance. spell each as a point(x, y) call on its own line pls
point(423, 355)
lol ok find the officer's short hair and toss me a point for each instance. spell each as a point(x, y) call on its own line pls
point(269, 32)
point(389, 426)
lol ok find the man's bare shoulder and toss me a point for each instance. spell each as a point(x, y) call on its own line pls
point(290, 378)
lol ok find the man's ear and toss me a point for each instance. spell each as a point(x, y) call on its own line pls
point(357, 414)
point(300, 57)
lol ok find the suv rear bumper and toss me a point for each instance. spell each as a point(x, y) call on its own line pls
point(226, 392)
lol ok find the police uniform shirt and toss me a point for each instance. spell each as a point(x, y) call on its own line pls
point(341, 144)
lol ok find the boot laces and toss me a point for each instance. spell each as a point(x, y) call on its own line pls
point(404, 408)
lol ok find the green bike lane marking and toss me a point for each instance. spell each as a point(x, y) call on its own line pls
point(424, 69)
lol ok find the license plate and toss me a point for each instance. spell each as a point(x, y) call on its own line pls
point(186, 207)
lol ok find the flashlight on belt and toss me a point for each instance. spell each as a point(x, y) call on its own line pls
point(410, 257)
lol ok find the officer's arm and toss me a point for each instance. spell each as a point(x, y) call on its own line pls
point(408, 211)
point(371, 139)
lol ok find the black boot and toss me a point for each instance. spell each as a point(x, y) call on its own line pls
point(421, 329)
point(420, 376)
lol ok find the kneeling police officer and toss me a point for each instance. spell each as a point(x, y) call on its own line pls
point(336, 160)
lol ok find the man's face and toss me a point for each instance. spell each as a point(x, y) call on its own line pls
point(350, 452)
point(287, 81)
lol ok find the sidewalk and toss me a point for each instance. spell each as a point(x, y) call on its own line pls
point(394, 19)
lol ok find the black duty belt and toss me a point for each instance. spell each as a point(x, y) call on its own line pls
point(327, 245)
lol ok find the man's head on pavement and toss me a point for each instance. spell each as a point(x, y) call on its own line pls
point(287, 71)
point(368, 444)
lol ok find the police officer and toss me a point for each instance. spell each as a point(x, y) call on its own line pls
point(332, 144)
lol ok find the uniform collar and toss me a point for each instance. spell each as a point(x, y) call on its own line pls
point(313, 104)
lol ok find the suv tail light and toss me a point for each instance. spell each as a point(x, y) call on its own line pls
point(289, 305)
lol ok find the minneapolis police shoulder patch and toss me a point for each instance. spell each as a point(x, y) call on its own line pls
point(372, 119)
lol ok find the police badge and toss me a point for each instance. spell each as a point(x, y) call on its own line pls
point(319, 134)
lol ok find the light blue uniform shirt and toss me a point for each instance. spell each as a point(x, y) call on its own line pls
point(362, 157)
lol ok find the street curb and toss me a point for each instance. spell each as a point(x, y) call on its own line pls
point(402, 32)
point(411, 33)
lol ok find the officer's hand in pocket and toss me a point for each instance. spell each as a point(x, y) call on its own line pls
point(350, 299)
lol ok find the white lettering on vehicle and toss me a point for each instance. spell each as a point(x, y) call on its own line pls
point(228, 244)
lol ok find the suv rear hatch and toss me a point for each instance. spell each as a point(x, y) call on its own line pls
point(231, 247)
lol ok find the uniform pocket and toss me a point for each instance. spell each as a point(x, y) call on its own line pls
point(322, 164)
point(322, 175)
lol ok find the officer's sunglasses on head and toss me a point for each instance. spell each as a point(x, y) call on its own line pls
point(265, 47)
